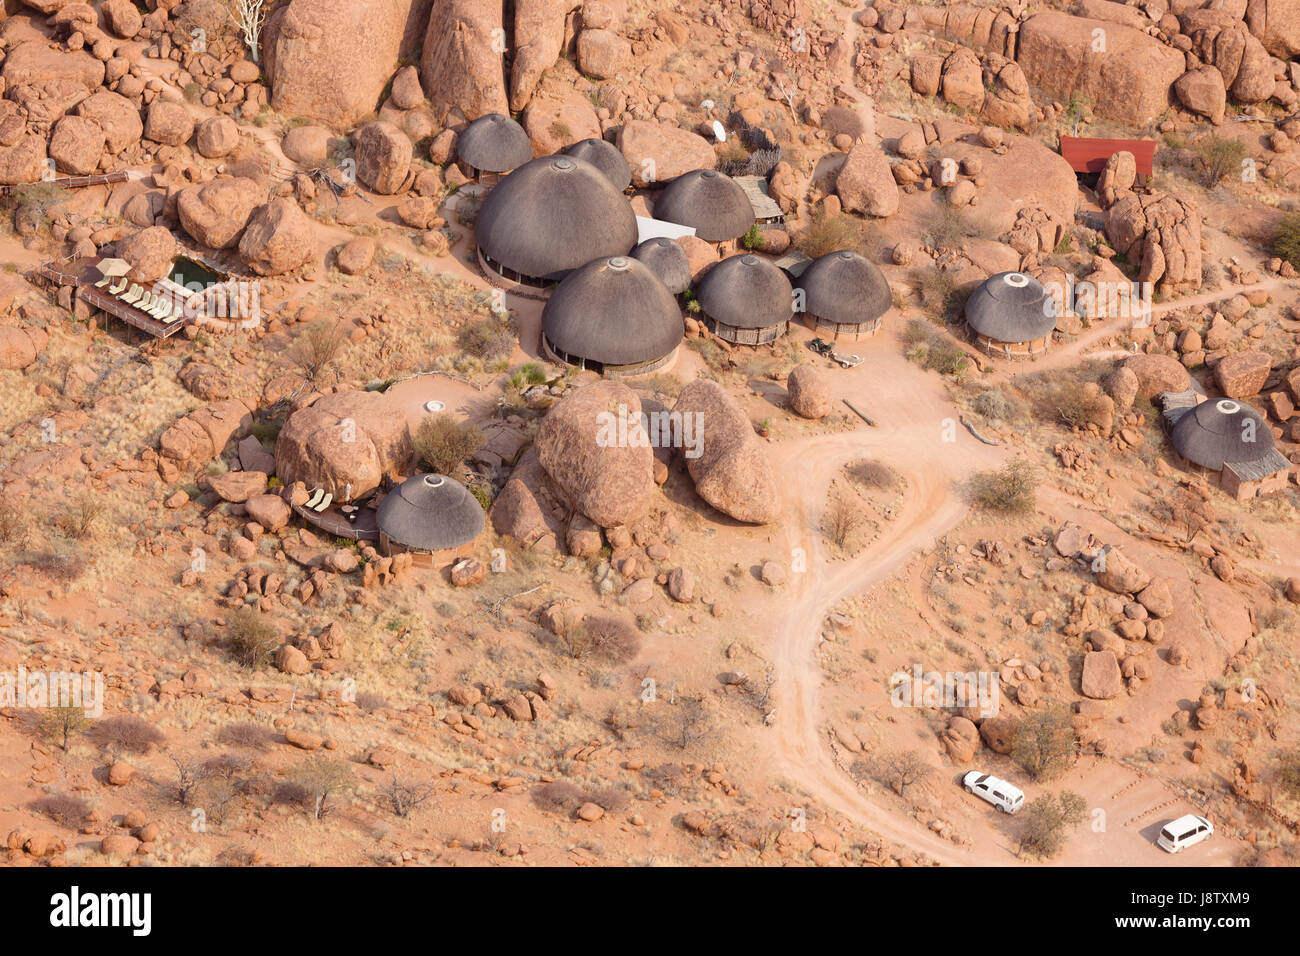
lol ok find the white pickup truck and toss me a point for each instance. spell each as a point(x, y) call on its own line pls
point(1004, 796)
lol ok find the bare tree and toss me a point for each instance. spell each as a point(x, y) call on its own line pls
point(403, 795)
point(843, 518)
point(249, 17)
point(317, 348)
point(189, 776)
point(902, 768)
point(320, 779)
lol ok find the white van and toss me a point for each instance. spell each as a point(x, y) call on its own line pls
point(1184, 832)
point(1005, 797)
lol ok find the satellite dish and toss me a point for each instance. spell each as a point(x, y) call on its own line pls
point(719, 133)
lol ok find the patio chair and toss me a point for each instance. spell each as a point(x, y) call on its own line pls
point(107, 280)
point(116, 288)
point(315, 498)
point(146, 301)
point(133, 295)
point(324, 503)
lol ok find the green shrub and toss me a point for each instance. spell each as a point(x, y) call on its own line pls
point(1218, 156)
point(1286, 239)
point(1011, 488)
point(251, 639)
point(443, 444)
point(490, 339)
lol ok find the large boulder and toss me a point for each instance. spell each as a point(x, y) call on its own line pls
point(344, 442)
point(730, 469)
point(150, 253)
point(1158, 373)
point(19, 347)
point(330, 61)
point(1102, 679)
point(215, 213)
point(122, 18)
point(22, 161)
point(306, 145)
point(810, 392)
point(555, 120)
point(217, 136)
point(865, 183)
point(33, 62)
point(594, 448)
point(1117, 574)
point(1128, 81)
point(1243, 374)
point(204, 433)
point(278, 239)
point(463, 62)
point(1277, 25)
point(1202, 91)
point(116, 116)
point(658, 152)
point(383, 156)
point(602, 53)
point(529, 508)
point(168, 123)
point(963, 80)
point(539, 39)
point(76, 145)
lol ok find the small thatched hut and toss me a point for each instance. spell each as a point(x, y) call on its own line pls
point(709, 202)
point(666, 259)
point(1011, 315)
point(547, 218)
point(844, 293)
point(433, 517)
point(606, 157)
point(613, 316)
point(746, 300)
point(492, 146)
point(1232, 439)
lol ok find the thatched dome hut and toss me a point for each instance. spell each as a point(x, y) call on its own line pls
point(550, 216)
point(711, 203)
point(1011, 315)
point(666, 259)
point(845, 293)
point(612, 315)
point(433, 517)
point(606, 157)
point(746, 300)
point(491, 146)
point(1219, 431)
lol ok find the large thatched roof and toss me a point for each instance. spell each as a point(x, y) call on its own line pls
point(712, 203)
point(666, 259)
point(614, 311)
point(552, 215)
point(846, 288)
point(430, 513)
point(747, 292)
point(494, 143)
point(606, 157)
point(1010, 307)
point(1221, 430)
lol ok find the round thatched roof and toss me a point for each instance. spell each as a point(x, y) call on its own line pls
point(606, 157)
point(712, 203)
point(494, 143)
point(746, 292)
point(845, 287)
point(614, 311)
point(430, 513)
point(1219, 431)
point(668, 261)
point(552, 215)
point(1010, 307)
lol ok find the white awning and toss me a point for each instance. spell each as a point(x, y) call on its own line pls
point(657, 228)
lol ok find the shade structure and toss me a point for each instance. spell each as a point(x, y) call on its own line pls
point(1219, 431)
point(613, 314)
point(606, 157)
point(1011, 314)
point(746, 299)
point(666, 259)
point(845, 292)
point(494, 143)
point(550, 216)
point(712, 203)
point(429, 513)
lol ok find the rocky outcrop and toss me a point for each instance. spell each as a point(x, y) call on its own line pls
point(203, 434)
point(116, 116)
point(731, 472)
point(383, 155)
point(1202, 91)
point(658, 152)
point(278, 239)
point(150, 252)
point(539, 39)
point(215, 213)
point(1129, 81)
point(865, 183)
point(463, 65)
point(1277, 25)
point(1158, 373)
point(529, 508)
point(330, 61)
point(810, 392)
point(344, 442)
point(1160, 231)
point(594, 448)
point(1243, 374)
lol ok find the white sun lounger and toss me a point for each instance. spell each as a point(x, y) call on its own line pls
point(132, 295)
point(117, 289)
point(315, 498)
point(103, 282)
point(324, 503)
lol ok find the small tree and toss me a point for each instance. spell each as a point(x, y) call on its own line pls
point(752, 237)
point(321, 779)
point(1044, 743)
point(1218, 156)
point(843, 518)
point(1048, 821)
point(1286, 240)
point(900, 769)
point(317, 348)
point(252, 640)
point(63, 723)
point(1288, 774)
point(249, 17)
point(189, 776)
point(403, 796)
point(685, 723)
point(443, 444)
point(1011, 488)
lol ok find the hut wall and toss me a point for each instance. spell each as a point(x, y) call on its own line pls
point(640, 368)
point(501, 277)
point(737, 336)
point(1243, 489)
point(855, 329)
point(430, 560)
point(1012, 350)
